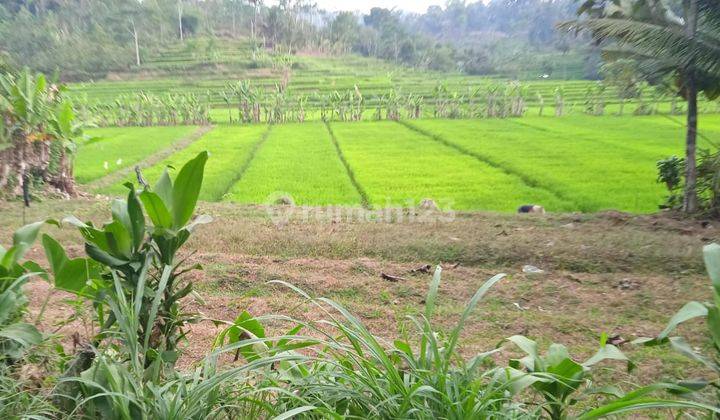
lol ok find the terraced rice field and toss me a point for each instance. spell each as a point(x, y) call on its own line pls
point(205, 68)
point(566, 164)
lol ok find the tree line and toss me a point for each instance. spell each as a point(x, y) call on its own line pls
point(83, 39)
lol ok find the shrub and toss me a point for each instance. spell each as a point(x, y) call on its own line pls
point(671, 172)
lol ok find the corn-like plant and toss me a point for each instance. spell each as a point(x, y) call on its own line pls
point(711, 312)
point(555, 375)
point(131, 261)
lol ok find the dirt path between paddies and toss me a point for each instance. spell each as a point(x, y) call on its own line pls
point(154, 159)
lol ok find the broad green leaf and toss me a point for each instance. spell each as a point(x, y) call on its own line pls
point(119, 211)
point(403, 347)
point(24, 237)
point(293, 331)
point(164, 189)
point(244, 327)
point(252, 325)
point(10, 258)
point(711, 255)
point(103, 257)
point(294, 412)
point(516, 380)
point(8, 304)
point(200, 220)
point(25, 334)
point(54, 253)
point(609, 352)
point(689, 311)
point(156, 210)
point(72, 220)
point(556, 354)
point(33, 267)
point(682, 347)
point(64, 118)
point(186, 189)
point(118, 239)
point(567, 378)
point(432, 293)
point(527, 345)
point(137, 219)
point(70, 275)
point(713, 322)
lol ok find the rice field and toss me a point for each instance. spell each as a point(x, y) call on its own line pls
point(111, 149)
point(229, 148)
point(399, 167)
point(298, 161)
point(189, 68)
point(579, 163)
point(593, 168)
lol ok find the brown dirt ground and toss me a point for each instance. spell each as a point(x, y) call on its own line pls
point(611, 273)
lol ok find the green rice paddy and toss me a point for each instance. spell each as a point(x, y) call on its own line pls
point(299, 161)
point(578, 163)
point(116, 148)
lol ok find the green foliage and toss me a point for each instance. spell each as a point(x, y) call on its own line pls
point(583, 163)
point(452, 179)
point(692, 310)
point(556, 376)
point(40, 130)
point(671, 172)
point(147, 109)
point(17, 401)
point(337, 369)
point(34, 108)
point(228, 148)
point(139, 259)
point(17, 336)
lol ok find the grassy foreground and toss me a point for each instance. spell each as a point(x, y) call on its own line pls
point(606, 273)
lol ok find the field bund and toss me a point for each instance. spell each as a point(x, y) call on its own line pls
point(575, 163)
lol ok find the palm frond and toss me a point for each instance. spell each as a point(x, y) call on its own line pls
point(670, 42)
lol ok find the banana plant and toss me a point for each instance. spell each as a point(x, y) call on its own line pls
point(33, 111)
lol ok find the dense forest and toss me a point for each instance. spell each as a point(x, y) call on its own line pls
point(498, 37)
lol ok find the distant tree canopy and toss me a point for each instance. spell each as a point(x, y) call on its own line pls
point(84, 39)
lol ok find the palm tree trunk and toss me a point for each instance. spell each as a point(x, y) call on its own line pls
point(690, 200)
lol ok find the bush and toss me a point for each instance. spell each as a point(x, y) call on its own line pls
point(671, 172)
